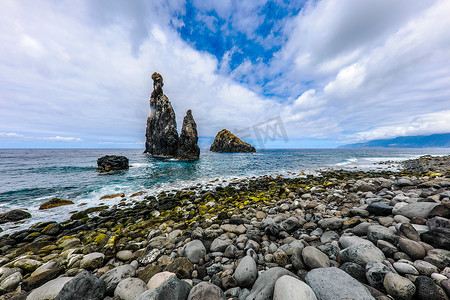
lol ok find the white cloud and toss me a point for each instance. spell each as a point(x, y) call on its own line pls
point(351, 70)
point(10, 134)
point(62, 139)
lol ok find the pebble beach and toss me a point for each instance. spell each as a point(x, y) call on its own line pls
point(338, 234)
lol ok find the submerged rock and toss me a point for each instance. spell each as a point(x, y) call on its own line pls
point(187, 146)
point(110, 163)
point(225, 141)
point(161, 133)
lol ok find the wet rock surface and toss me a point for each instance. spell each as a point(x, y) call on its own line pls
point(111, 163)
point(260, 238)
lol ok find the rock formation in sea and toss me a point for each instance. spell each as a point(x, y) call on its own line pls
point(187, 145)
point(161, 133)
point(110, 163)
point(225, 141)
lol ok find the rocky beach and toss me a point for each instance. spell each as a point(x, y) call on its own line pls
point(335, 235)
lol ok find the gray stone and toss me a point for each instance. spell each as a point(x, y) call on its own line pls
point(10, 283)
point(415, 210)
point(161, 242)
point(92, 261)
point(361, 229)
point(438, 257)
point(49, 290)
point(173, 288)
point(379, 209)
point(158, 279)
point(218, 245)
point(246, 272)
point(362, 254)
point(296, 258)
point(356, 271)
point(314, 258)
point(378, 232)
point(426, 288)
point(206, 291)
point(194, 251)
point(404, 268)
point(330, 249)
point(399, 287)
point(403, 182)
point(290, 224)
point(263, 287)
point(230, 251)
point(129, 288)
point(83, 286)
point(375, 273)
point(116, 275)
point(331, 223)
point(333, 283)
point(150, 257)
point(329, 236)
point(346, 240)
point(425, 268)
point(414, 249)
point(407, 230)
point(290, 288)
point(124, 255)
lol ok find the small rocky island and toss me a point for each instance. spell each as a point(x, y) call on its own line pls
point(111, 163)
point(161, 133)
point(225, 141)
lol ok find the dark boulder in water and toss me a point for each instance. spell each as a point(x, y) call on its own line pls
point(187, 147)
point(109, 163)
point(55, 202)
point(161, 133)
point(225, 141)
point(14, 215)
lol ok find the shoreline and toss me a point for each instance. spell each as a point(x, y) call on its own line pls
point(266, 218)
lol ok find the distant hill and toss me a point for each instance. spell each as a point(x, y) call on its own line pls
point(418, 141)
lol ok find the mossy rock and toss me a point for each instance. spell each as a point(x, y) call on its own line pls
point(55, 202)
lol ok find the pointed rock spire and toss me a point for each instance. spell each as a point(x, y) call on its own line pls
point(187, 146)
point(161, 133)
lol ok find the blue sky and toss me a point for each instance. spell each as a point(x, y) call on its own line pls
point(77, 73)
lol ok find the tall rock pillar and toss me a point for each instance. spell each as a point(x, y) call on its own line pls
point(161, 132)
point(187, 146)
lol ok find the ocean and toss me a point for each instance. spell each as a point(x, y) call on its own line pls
point(29, 177)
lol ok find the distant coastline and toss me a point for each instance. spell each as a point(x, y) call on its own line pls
point(419, 141)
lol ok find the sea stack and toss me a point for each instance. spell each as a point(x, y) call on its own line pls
point(161, 133)
point(225, 141)
point(187, 146)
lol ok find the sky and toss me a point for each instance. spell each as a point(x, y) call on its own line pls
point(280, 74)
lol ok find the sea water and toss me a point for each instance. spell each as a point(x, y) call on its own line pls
point(29, 177)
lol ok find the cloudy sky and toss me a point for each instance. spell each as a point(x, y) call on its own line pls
point(77, 73)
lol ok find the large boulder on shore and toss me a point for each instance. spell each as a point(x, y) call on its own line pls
point(225, 141)
point(14, 215)
point(110, 163)
point(187, 145)
point(161, 133)
point(55, 202)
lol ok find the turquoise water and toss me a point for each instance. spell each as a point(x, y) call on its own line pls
point(30, 177)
